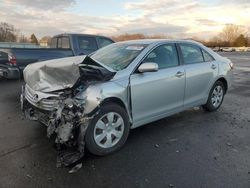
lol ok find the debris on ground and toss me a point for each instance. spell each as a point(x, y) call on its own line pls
point(75, 168)
point(229, 144)
point(177, 151)
point(65, 159)
point(196, 108)
point(173, 140)
point(93, 166)
point(235, 150)
point(29, 176)
point(157, 146)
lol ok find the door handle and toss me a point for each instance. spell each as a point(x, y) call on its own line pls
point(213, 66)
point(179, 74)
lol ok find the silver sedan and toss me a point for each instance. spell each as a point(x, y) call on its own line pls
point(123, 86)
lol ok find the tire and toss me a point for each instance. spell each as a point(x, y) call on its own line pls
point(101, 125)
point(215, 100)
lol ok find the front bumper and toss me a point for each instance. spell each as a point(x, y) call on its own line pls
point(9, 72)
point(68, 122)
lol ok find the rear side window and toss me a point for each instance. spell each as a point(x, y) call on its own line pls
point(63, 42)
point(207, 56)
point(87, 43)
point(191, 53)
point(104, 42)
point(165, 56)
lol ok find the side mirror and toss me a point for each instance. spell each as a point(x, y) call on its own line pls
point(148, 67)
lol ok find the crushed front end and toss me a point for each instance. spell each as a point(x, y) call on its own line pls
point(63, 115)
point(55, 95)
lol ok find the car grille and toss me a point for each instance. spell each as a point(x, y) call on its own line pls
point(44, 104)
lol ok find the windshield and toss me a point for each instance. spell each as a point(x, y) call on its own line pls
point(118, 56)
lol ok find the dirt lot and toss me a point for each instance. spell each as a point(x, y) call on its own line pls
point(191, 149)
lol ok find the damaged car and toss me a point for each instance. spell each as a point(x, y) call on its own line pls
point(95, 100)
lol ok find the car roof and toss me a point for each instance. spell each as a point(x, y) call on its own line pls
point(156, 41)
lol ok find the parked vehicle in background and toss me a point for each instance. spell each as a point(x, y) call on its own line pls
point(228, 49)
point(125, 85)
point(217, 49)
point(14, 60)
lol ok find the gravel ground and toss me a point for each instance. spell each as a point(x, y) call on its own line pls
point(190, 149)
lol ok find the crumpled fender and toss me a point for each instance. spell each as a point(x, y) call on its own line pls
point(96, 94)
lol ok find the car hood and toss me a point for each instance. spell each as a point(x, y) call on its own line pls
point(54, 75)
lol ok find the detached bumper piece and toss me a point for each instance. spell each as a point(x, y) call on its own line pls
point(64, 119)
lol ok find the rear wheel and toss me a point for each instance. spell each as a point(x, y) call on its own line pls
point(216, 97)
point(108, 131)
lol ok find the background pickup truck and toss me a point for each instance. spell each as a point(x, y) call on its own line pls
point(14, 60)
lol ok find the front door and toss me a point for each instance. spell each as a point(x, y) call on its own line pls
point(154, 94)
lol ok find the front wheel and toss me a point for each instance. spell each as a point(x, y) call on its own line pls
point(108, 131)
point(216, 97)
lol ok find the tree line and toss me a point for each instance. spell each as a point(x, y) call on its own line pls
point(230, 36)
point(8, 33)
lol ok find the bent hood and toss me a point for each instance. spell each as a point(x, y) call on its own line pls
point(54, 74)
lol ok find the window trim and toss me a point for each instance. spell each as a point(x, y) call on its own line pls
point(135, 71)
point(190, 44)
point(208, 54)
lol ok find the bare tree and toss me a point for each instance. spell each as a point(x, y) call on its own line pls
point(8, 33)
point(231, 32)
point(22, 39)
point(33, 39)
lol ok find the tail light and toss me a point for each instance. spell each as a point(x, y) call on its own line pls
point(12, 59)
point(231, 65)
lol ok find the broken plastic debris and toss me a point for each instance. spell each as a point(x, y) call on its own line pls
point(76, 168)
point(229, 144)
point(196, 108)
point(157, 146)
point(173, 140)
point(65, 159)
point(29, 176)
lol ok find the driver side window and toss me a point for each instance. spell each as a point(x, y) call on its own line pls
point(165, 56)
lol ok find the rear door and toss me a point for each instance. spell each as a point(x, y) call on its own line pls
point(201, 69)
point(154, 94)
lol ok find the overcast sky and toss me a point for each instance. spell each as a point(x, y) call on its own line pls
point(177, 18)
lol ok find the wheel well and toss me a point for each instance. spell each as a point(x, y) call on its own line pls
point(113, 100)
point(224, 81)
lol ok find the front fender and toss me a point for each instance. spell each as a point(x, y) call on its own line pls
point(95, 94)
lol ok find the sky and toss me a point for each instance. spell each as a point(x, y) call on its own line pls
point(176, 18)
